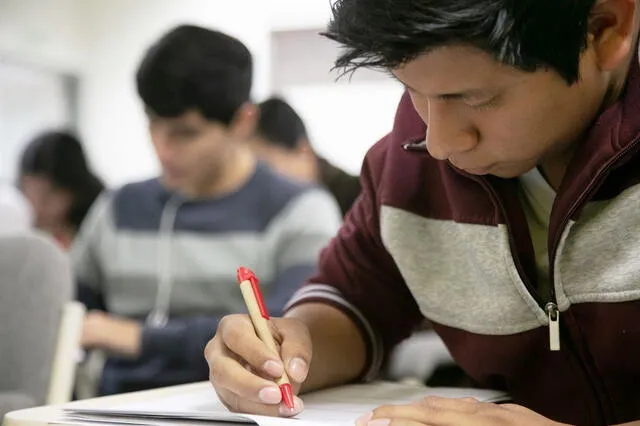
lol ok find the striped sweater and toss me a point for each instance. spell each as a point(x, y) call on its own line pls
point(148, 254)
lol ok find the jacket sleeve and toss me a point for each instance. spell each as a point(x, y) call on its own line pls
point(358, 276)
point(85, 255)
point(181, 341)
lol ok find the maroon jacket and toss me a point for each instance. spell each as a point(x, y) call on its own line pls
point(427, 240)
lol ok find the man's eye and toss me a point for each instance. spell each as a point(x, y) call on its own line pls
point(486, 104)
point(186, 133)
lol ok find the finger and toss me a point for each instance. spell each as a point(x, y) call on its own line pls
point(368, 420)
point(238, 335)
point(462, 405)
point(425, 401)
point(516, 408)
point(237, 404)
point(407, 412)
point(277, 336)
point(226, 373)
point(424, 414)
point(295, 348)
point(399, 422)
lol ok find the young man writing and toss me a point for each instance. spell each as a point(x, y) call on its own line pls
point(513, 226)
point(157, 259)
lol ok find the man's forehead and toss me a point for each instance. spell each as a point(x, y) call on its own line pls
point(454, 71)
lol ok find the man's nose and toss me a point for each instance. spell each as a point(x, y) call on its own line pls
point(448, 133)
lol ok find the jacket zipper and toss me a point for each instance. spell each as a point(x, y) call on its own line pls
point(588, 192)
point(512, 244)
point(551, 307)
point(591, 188)
point(553, 313)
point(419, 146)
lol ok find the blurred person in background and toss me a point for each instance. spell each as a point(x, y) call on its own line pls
point(16, 214)
point(157, 260)
point(54, 175)
point(281, 140)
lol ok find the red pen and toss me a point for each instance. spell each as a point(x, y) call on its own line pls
point(260, 317)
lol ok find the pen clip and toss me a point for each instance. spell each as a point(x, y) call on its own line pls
point(246, 274)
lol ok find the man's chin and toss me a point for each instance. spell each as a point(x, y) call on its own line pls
point(170, 183)
point(510, 173)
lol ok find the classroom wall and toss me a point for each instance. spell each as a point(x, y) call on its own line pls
point(40, 42)
point(42, 33)
point(295, 15)
point(30, 100)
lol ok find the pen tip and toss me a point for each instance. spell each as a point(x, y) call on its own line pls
point(287, 395)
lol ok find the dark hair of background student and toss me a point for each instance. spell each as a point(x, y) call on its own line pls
point(56, 178)
point(282, 141)
point(196, 68)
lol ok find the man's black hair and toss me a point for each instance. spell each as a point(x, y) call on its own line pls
point(526, 34)
point(197, 68)
point(60, 158)
point(280, 125)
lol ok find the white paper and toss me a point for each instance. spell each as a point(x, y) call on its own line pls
point(339, 406)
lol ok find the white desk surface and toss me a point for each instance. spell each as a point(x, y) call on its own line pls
point(41, 416)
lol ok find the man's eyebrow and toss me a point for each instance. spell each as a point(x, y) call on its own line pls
point(405, 85)
point(463, 94)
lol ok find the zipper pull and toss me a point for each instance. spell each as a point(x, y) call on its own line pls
point(553, 313)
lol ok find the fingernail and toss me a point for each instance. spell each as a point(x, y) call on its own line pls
point(364, 419)
point(298, 369)
point(288, 412)
point(379, 422)
point(270, 395)
point(273, 368)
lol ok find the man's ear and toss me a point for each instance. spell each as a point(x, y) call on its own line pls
point(245, 121)
point(612, 31)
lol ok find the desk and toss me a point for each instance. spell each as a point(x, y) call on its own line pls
point(342, 404)
point(41, 416)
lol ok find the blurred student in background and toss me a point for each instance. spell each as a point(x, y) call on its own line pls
point(56, 179)
point(281, 140)
point(16, 214)
point(157, 259)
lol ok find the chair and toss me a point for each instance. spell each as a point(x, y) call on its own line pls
point(40, 324)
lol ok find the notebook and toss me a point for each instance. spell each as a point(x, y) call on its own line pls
point(199, 407)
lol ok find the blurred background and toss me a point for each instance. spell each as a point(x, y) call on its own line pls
point(71, 63)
